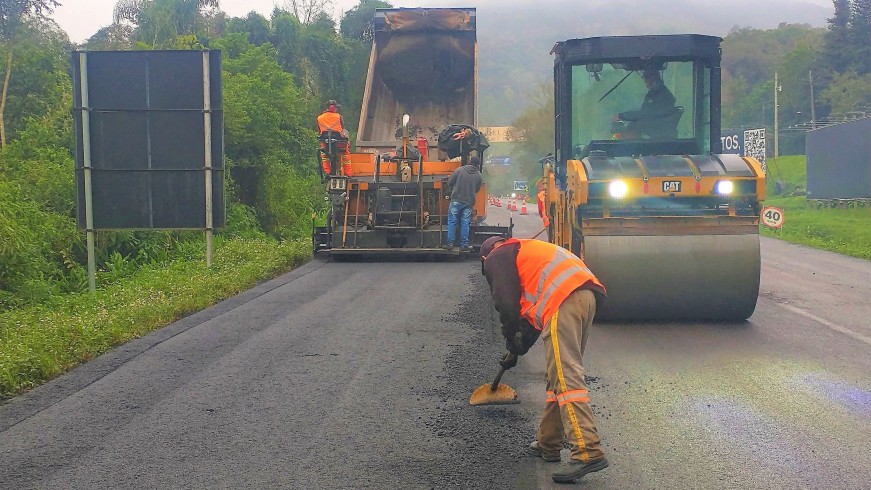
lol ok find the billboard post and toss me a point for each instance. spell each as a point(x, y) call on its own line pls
point(86, 169)
point(207, 132)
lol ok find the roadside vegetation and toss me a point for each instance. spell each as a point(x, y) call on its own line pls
point(844, 230)
point(277, 71)
point(41, 341)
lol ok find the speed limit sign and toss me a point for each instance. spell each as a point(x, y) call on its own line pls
point(772, 217)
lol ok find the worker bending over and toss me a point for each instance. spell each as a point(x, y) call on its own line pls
point(331, 126)
point(542, 289)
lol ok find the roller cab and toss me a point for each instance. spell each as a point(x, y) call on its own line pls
point(638, 187)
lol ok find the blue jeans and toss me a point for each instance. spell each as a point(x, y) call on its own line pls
point(462, 212)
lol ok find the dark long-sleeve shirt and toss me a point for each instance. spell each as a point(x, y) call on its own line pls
point(500, 268)
point(659, 102)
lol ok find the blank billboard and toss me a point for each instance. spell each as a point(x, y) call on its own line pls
point(145, 120)
point(839, 161)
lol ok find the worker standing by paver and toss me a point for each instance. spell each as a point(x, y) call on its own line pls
point(541, 197)
point(542, 289)
point(465, 183)
point(542, 211)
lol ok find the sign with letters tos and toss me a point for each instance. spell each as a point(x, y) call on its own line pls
point(748, 143)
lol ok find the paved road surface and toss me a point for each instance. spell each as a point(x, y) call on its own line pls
point(357, 375)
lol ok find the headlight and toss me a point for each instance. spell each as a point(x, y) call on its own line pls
point(724, 187)
point(513, 195)
point(618, 189)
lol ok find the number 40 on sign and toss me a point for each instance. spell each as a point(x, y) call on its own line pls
point(772, 217)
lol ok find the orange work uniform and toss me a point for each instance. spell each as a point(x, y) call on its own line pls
point(542, 211)
point(558, 297)
point(330, 123)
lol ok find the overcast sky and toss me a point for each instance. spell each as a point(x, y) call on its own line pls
point(83, 18)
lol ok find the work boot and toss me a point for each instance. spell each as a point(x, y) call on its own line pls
point(466, 248)
point(535, 450)
point(575, 469)
point(448, 246)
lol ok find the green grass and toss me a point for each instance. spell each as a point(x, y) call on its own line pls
point(792, 170)
point(843, 230)
point(41, 342)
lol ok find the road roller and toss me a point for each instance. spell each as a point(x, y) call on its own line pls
point(638, 186)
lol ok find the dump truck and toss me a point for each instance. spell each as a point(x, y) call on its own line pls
point(637, 185)
point(417, 125)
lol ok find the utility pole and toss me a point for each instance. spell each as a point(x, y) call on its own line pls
point(778, 184)
point(810, 75)
point(776, 127)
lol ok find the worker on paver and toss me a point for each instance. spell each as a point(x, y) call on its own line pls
point(331, 127)
point(542, 289)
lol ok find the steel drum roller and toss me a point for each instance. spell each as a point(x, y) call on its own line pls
point(697, 277)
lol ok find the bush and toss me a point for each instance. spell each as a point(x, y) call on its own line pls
point(42, 341)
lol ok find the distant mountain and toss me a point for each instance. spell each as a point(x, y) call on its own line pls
point(515, 37)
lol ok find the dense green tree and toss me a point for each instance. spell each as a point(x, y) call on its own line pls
point(286, 38)
point(270, 142)
point(752, 53)
point(40, 64)
point(847, 91)
point(112, 37)
point(328, 55)
point(14, 18)
point(255, 25)
point(159, 22)
point(750, 59)
point(37, 195)
point(356, 24)
point(860, 36)
point(837, 38)
point(794, 76)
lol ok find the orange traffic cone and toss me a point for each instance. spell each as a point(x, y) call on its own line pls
point(523, 208)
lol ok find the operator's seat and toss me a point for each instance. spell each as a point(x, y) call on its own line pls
point(663, 126)
point(666, 127)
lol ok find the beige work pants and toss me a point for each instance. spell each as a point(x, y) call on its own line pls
point(567, 411)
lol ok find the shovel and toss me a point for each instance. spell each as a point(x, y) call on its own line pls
point(494, 393)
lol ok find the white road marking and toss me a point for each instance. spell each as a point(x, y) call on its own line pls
point(832, 326)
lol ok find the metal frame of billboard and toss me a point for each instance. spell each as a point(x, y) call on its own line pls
point(172, 86)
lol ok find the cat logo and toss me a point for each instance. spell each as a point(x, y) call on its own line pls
point(670, 186)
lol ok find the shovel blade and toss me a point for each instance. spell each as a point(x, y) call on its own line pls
point(504, 395)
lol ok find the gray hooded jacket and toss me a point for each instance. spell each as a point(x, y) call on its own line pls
point(465, 182)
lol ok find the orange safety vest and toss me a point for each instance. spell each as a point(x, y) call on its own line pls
point(548, 275)
point(330, 121)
